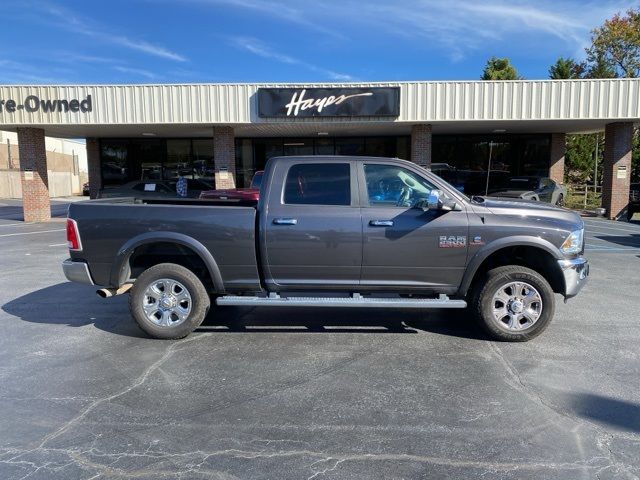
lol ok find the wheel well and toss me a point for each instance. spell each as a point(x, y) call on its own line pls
point(534, 258)
point(150, 254)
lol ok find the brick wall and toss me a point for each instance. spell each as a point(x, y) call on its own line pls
point(224, 157)
point(617, 153)
point(421, 145)
point(93, 165)
point(556, 157)
point(33, 173)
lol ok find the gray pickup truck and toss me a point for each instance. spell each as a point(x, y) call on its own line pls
point(332, 232)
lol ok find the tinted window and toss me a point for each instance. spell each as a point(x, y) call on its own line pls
point(318, 184)
point(388, 185)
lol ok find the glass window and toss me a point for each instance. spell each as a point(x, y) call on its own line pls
point(318, 184)
point(298, 146)
point(391, 186)
point(203, 159)
point(114, 162)
point(324, 146)
point(178, 161)
point(349, 146)
point(380, 146)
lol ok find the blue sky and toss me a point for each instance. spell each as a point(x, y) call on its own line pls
point(171, 41)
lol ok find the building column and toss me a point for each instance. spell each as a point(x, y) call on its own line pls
point(33, 175)
point(556, 157)
point(95, 169)
point(617, 168)
point(224, 157)
point(421, 145)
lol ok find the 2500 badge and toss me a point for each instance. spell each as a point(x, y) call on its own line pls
point(453, 241)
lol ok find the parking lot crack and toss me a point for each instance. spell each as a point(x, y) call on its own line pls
point(142, 378)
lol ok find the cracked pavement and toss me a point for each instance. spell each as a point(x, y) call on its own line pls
point(305, 394)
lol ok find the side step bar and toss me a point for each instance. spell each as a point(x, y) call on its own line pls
point(356, 300)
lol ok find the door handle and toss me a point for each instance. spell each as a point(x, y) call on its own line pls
point(381, 223)
point(285, 221)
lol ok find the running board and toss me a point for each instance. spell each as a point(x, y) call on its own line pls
point(274, 300)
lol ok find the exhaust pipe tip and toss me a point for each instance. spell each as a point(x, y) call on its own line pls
point(104, 292)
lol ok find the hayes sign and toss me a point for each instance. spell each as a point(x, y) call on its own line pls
point(33, 103)
point(328, 102)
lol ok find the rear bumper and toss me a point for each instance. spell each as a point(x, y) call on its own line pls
point(575, 272)
point(77, 272)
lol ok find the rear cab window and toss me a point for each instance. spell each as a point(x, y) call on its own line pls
point(318, 184)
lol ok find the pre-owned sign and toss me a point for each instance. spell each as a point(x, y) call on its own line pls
point(33, 103)
point(328, 102)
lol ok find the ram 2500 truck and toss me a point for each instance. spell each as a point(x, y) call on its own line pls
point(332, 232)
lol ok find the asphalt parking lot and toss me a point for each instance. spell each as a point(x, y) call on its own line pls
point(282, 394)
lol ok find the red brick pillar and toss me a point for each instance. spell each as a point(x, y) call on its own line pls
point(224, 157)
point(617, 168)
point(421, 145)
point(33, 175)
point(95, 169)
point(556, 157)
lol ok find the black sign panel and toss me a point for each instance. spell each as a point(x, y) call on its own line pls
point(328, 102)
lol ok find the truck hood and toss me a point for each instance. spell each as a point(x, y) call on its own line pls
point(533, 209)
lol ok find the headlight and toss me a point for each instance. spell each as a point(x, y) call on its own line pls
point(574, 242)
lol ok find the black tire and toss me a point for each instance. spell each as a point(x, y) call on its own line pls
point(560, 201)
point(486, 288)
point(199, 301)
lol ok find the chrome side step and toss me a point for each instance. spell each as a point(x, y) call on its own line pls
point(356, 300)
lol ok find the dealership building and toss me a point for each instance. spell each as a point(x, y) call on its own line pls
point(475, 133)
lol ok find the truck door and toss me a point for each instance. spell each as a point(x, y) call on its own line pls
point(312, 228)
point(405, 246)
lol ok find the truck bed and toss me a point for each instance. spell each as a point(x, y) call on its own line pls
point(112, 228)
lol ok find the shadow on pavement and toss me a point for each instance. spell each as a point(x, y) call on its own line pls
point(617, 413)
point(74, 305)
point(632, 240)
point(77, 305)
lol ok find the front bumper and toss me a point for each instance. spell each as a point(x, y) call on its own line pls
point(575, 272)
point(77, 272)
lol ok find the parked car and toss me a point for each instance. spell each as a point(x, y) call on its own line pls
point(85, 189)
point(332, 232)
point(251, 193)
point(533, 188)
point(634, 200)
point(155, 188)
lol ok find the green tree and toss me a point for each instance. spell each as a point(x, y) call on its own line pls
point(617, 44)
point(566, 68)
point(499, 69)
point(580, 158)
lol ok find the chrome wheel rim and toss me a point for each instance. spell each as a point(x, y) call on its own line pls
point(517, 306)
point(166, 302)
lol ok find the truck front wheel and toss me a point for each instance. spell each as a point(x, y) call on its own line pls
point(513, 303)
point(168, 301)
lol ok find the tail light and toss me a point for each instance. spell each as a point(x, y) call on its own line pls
point(73, 237)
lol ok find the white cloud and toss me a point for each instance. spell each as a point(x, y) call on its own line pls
point(83, 26)
point(459, 26)
point(257, 47)
point(136, 71)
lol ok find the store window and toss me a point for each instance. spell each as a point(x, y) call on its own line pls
point(178, 162)
point(203, 167)
point(298, 146)
point(114, 162)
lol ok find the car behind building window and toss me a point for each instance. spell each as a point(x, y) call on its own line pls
point(318, 184)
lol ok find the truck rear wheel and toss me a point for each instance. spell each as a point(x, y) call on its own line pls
point(513, 303)
point(168, 301)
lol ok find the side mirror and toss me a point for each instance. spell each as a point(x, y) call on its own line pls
point(434, 201)
point(437, 202)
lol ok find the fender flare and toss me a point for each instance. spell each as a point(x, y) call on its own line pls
point(517, 241)
point(121, 262)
